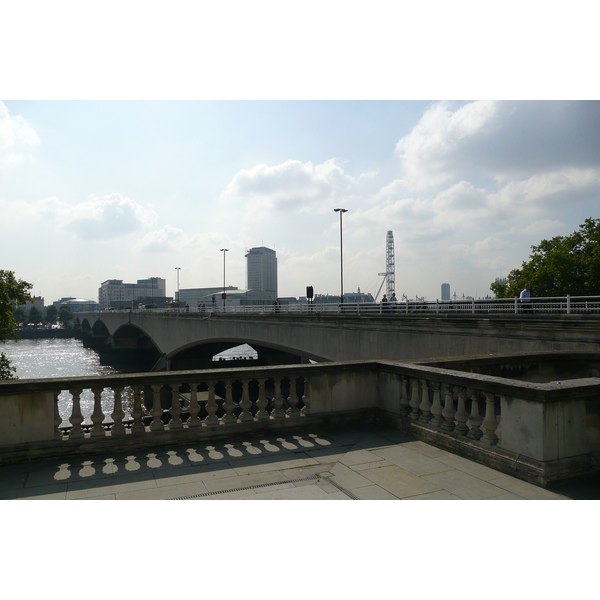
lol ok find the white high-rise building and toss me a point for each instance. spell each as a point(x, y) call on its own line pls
point(261, 270)
point(445, 291)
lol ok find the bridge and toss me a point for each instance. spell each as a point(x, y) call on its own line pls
point(180, 339)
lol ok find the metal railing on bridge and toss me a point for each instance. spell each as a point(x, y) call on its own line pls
point(547, 305)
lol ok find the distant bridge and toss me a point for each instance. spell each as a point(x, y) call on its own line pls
point(183, 340)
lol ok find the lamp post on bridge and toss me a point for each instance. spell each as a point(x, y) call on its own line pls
point(223, 250)
point(341, 211)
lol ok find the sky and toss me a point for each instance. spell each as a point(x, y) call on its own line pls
point(109, 177)
point(139, 137)
point(97, 190)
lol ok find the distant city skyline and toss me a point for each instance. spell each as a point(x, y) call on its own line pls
point(123, 189)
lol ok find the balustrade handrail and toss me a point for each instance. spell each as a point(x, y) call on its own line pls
point(472, 412)
point(536, 305)
point(533, 391)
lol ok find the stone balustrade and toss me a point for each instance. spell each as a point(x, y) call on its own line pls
point(541, 432)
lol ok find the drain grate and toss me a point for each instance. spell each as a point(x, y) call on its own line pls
point(315, 478)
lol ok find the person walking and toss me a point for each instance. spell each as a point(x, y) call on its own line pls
point(525, 298)
point(384, 303)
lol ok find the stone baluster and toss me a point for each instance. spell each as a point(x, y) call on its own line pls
point(277, 412)
point(414, 399)
point(157, 411)
point(306, 398)
point(436, 407)
point(137, 413)
point(404, 396)
point(117, 415)
point(228, 417)
point(245, 403)
point(461, 415)
point(448, 413)
point(475, 419)
point(76, 417)
point(293, 411)
point(175, 408)
point(261, 402)
point(97, 414)
point(489, 422)
point(57, 418)
point(425, 405)
point(194, 408)
point(211, 406)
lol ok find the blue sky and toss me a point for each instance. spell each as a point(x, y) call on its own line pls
point(128, 181)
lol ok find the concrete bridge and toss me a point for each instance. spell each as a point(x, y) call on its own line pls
point(180, 340)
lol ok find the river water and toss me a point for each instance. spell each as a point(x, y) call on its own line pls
point(48, 358)
point(52, 357)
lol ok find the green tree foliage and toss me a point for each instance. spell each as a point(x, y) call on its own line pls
point(65, 315)
point(35, 315)
point(20, 315)
point(560, 266)
point(51, 314)
point(13, 292)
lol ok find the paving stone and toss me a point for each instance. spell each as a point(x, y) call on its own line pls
point(468, 466)
point(83, 489)
point(163, 493)
point(441, 495)
point(293, 493)
point(237, 495)
point(304, 471)
point(358, 456)
point(412, 461)
point(424, 448)
point(398, 481)
point(261, 466)
point(373, 492)
point(189, 476)
point(347, 478)
point(328, 455)
point(336, 496)
point(524, 489)
point(372, 465)
point(45, 492)
point(244, 481)
point(103, 497)
point(507, 496)
point(464, 485)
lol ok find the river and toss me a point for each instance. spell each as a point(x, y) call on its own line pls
point(53, 357)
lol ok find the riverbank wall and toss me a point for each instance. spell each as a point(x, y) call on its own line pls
point(34, 334)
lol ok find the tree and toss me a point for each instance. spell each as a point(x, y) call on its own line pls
point(13, 292)
point(65, 315)
point(20, 315)
point(35, 315)
point(564, 265)
point(51, 314)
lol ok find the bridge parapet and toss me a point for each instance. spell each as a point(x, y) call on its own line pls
point(542, 432)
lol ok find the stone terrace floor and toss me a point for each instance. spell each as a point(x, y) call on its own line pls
point(368, 463)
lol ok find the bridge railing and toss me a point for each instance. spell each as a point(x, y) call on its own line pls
point(539, 431)
point(541, 305)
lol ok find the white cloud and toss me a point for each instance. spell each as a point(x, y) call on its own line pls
point(292, 186)
point(16, 135)
point(109, 217)
point(500, 140)
point(97, 218)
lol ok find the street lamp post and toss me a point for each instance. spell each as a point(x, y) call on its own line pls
point(223, 250)
point(341, 211)
point(178, 269)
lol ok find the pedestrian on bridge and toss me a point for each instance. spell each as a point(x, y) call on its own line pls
point(525, 298)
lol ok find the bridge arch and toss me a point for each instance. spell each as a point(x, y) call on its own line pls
point(199, 354)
